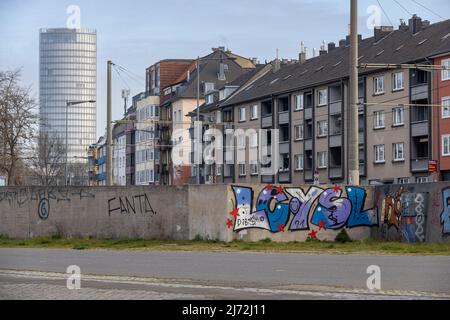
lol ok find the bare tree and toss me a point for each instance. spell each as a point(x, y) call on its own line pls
point(17, 118)
point(47, 159)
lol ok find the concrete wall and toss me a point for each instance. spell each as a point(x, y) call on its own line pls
point(419, 212)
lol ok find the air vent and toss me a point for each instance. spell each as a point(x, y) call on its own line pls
point(319, 68)
point(287, 77)
point(446, 36)
point(399, 48)
point(273, 81)
point(422, 42)
point(380, 53)
point(338, 63)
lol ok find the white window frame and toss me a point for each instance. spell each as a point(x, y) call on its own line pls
point(242, 173)
point(376, 82)
point(241, 139)
point(377, 124)
point(242, 114)
point(394, 116)
point(254, 112)
point(322, 95)
point(254, 165)
point(395, 79)
point(396, 150)
point(299, 102)
point(298, 158)
point(322, 131)
point(404, 180)
point(422, 179)
point(218, 170)
point(254, 140)
point(445, 113)
point(300, 129)
point(445, 73)
point(377, 152)
point(445, 140)
point(322, 159)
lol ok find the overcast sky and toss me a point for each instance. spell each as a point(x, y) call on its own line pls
point(138, 33)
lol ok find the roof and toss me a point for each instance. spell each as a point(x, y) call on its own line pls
point(399, 46)
point(208, 72)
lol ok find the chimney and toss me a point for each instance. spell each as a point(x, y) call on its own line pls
point(331, 46)
point(255, 61)
point(314, 52)
point(284, 61)
point(188, 77)
point(342, 43)
point(403, 26)
point(276, 65)
point(425, 24)
point(381, 31)
point(323, 49)
point(302, 55)
point(415, 24)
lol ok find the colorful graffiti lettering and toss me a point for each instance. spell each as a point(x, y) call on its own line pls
point(445, 215)
point(328, 208)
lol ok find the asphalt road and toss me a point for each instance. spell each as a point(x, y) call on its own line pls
point(208, 275)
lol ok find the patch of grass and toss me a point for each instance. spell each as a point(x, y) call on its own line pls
point(343, 237)
point(264, 245)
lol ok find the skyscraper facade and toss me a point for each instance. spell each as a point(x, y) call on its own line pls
point(68, 79)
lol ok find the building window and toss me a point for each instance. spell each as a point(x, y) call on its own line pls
point(379, 119)
point(378, 85)
point(322, 159)
point(403, 180)
point(209, 98)
point(254, 168)
point(298, 162)
point(241, 114)
point(242, 169)
point(254, 112)
point(446, 145)
point(254, 140)
point(379, 153)
point(299, 102)
point(397, 81)
point(446, 73)
point(218, 116)
point(399, 154)
point(422, 179)
point(298, 132)
point(322, 128)
point(446, 107)
point(323, 97)
point(218, 170)
point(398, 116)
point(241, 141)
point(284, 162)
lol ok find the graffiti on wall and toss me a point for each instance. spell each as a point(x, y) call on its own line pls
point(43, 197)
point(138, 204)
point(277, 209)
point(445, 215)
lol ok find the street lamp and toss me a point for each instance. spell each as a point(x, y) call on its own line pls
point(69, 104)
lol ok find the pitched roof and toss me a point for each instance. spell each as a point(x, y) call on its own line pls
point(399, 46)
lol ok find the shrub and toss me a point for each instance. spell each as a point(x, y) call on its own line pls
point(343, 237)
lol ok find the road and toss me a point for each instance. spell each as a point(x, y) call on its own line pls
point(40, 274)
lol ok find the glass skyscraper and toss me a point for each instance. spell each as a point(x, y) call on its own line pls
point(68, 73)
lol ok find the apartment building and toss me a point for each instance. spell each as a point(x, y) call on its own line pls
point(119, 154)
point(441, 115)
point(146, 138)
point(308, 103)
point(180, 98)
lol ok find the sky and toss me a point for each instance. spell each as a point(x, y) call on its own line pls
point(137, 33)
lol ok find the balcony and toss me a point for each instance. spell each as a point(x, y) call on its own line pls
point(308, 113)
point(335, 141)
point(284, 147)
point(308, 144)
point(419, 165)
point(284, 177)
point(419, 129)
point(267, 179)
point(283, 117)
point(335, 172)
point(419, 92)
point(335, 107)
point(267, 122)
point(309, 175)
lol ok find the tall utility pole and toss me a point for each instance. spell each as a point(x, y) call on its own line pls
point(353, 143)
point(199, 128)
point(108, 127)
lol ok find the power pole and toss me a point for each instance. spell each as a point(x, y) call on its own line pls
point(353, 145)
point(199, 130)
point(108, 127)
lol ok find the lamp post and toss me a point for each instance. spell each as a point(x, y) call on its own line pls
point(69, 104)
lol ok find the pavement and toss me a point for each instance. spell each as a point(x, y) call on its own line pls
point(108, 274)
